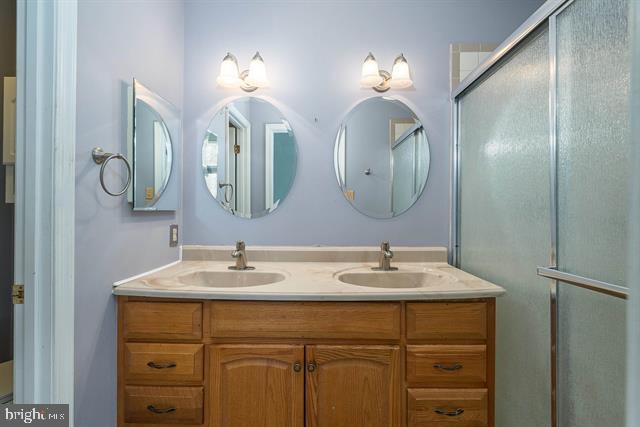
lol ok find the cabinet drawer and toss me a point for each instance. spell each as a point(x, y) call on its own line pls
point(163, 320)
point(446, 407)
point(163, 362)
point(377, 321)
point(447, 321)
point(163, 405)
point(447, 365)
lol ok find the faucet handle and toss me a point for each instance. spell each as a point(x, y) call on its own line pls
point(385, 249)
point(240, 245)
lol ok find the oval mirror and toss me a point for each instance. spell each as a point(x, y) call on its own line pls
point(249, 157)
point(381, 157)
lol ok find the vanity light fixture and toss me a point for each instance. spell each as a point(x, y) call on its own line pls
point(381, 80)
point(248, 80)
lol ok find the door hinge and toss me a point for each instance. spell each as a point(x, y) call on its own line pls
point(17, 293)
point(236, 149)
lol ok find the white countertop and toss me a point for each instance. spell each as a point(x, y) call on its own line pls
point(308, 281)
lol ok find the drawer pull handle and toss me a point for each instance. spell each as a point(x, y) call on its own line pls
point(167, 365)
point(311, 367)
point(446, 413)
point(297, 367)
point(448, 368)
point(167, 410)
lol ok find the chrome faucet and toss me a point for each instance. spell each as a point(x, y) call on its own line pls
point(241, 257)
point(384, 259)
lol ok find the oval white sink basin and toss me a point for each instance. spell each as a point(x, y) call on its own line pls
point(396, 279)
point(230, 279)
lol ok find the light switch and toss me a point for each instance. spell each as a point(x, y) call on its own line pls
point(173, 235)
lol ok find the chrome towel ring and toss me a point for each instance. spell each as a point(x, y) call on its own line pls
point(102, 158)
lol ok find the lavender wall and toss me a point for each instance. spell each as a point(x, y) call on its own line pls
point(116, 42)
point(314, 51)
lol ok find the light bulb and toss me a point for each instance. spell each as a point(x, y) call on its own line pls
point(400, 75)
point(229, 72)
point(257, 72)
point(370, 72)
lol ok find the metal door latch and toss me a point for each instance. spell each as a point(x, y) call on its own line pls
point(17, 293)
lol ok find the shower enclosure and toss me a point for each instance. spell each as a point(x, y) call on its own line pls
point(542, 155)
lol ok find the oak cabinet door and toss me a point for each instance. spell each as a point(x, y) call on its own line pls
point(353, 386)
point(257, 385)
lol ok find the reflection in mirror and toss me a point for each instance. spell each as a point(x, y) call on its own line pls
point(249, 157)
point(381, 157)
point(151, 148)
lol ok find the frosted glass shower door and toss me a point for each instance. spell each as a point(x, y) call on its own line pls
point(504, 220)
point(594, 165)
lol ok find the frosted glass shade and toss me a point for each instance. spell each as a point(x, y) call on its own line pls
point(370, 72)
point(400, 76)
point(229, 72)
point(257, 72)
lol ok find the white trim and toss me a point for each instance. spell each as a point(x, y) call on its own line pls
point(45, 196)
point(155, 270)
point(64, 180)
point(244, 125)
point(270, 129)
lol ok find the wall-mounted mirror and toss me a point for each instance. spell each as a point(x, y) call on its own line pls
point(381, 157)
point(154, 138)
point(249, 157)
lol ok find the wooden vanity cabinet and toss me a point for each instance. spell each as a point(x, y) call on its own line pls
point(349, 385)
point(257, 385)
point(314, 364)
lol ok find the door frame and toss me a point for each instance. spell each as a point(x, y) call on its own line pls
point(270, 131)
point(45, 202)
point(242, 192)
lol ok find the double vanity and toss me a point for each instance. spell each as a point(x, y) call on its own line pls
point(314, 336)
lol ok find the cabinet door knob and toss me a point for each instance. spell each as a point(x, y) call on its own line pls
point(155, 410)
point(297, 367)
point(447, 413)
point(167, 365)
point(311, 367)
point(450, 368)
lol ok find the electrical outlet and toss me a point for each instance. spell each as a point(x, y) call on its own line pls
point(173, 235)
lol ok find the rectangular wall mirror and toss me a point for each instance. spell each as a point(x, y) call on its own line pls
point(154, 147)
